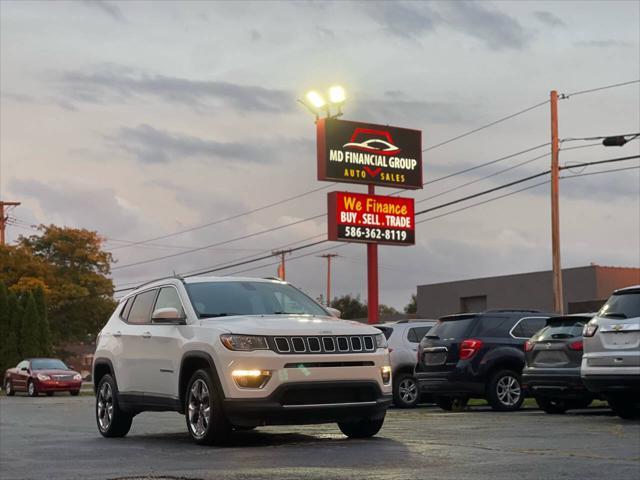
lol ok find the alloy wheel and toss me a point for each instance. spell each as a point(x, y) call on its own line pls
point(199, 409)
point(104, 405)
point(31, 389)
point(408, 390)
point(508, 390)
point(7, 388)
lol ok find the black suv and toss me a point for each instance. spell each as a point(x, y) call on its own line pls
point(478, 355)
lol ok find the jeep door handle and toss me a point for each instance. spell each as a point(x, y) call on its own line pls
point(117, 334)
point(146, 335)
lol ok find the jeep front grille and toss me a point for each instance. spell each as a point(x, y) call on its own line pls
point(322, 344)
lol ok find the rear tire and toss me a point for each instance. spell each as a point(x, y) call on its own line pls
point(580, 404)
point(361, 429)
point(206, 422)
point(504, 391)
point(445, 403)
point(552, 405)
point(8, 389)
point(74, 393)
point(111, 420)
point(624, 407)
point(406, 393)
point(31, 389)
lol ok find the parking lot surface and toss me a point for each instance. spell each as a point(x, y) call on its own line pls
point(56, 438)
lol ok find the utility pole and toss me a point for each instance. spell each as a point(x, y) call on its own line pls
point(281, 270)
point(372, 277)
point(4, 217)
point(329, 256)
point(558, 298)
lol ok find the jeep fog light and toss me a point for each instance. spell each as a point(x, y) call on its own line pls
point(385, 372)
point(251, 378)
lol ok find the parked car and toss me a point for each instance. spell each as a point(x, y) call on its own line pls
point(611, 360)
point(236, 353)
point(552, 371)
point(403, 338)
point(41, 375)
point(477, 355)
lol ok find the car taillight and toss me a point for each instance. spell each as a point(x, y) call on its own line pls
point(469, 347)
point(589, 330)
point(577, 346)
point(528, 346)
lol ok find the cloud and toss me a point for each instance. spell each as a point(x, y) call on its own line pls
point(108, 8)
point(549, 19)
point(150, 145)
point(255, 36)
point(413, 20)
point(82, 206)
point(111, 83)
point(603, 43)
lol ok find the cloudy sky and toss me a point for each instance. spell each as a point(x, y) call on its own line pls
point(141, 119)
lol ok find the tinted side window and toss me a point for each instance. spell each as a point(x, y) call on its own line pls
point(23, 364)
point(168, 298)
point(417, 333)
point(489, 326)
point(451, 328)
point(527, 327)
point(386, 331)
point(127, 308)
point(141, 309)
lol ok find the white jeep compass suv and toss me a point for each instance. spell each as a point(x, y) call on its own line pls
point(236, 353)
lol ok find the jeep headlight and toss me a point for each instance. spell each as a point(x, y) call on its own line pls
point(381, 341)
point(245, 343)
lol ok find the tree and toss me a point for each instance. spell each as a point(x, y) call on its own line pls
point(350, 307)
point(386, 310)
point(28, 332)
point(412, 306)
point(43, 330)
point(72, 269)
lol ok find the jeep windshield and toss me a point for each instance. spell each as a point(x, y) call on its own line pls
point(224, 299)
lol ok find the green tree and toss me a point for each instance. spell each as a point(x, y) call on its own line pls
point(71, 267)
point(350, 307)
point(412, 306)
point(43, 329)
point(15, 321)
point(29, 346)
point(386, 310)
point(5, 329)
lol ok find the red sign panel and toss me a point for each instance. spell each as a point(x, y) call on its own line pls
point(358, 217)
point(357, 152)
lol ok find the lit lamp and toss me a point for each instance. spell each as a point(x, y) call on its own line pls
point(316, 103)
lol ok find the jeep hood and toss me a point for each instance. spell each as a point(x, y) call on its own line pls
point(289, 325)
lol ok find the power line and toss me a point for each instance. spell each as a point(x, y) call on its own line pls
point(597, 89)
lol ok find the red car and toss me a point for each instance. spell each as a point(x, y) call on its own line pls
point(41, 375)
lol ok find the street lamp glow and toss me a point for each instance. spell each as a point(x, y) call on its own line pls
point(316, 99)
point(337, 94)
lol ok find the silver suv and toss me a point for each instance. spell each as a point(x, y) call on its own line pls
point(403, 338)
point(611, 360)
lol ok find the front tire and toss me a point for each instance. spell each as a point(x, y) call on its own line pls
point(406, 392)
point(552, 405)
point(31, 389)
point(8, 389)
point(111, 420)
point(361, 429)
point(206, 421)
point(504, 392)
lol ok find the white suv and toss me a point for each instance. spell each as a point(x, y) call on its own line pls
point(236, 353)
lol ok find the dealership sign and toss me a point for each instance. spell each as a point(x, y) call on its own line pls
point(357, 217)
point(356, 152)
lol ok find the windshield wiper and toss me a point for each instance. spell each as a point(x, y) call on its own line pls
point(615, 315)
point(213, 315)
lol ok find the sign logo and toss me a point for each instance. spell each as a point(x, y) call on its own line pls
point(381, 143)
point(365, 153)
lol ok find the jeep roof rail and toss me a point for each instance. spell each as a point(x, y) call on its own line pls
point(416, 320)
point(512, 310)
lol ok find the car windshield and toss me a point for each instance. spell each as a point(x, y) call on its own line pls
point(622, 305)
point(221, 299)
point(562, 329)
point(450, 328)
point(48, 364)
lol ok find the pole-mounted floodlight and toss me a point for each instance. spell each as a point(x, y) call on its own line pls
point(317, 104)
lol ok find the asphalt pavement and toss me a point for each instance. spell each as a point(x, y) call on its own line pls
point(56, 438)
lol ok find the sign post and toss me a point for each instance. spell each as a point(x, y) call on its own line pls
point(364, 153)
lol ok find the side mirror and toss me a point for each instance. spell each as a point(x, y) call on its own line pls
point(24, 369)
point(169, 316)
point(334, 312)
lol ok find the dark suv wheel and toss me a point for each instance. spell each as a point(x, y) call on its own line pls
point(206, 422)
point(406, 392)
point(623, 406)
point(362, 428)
point(552, 405)
point(504, 391)
point(111, 420)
